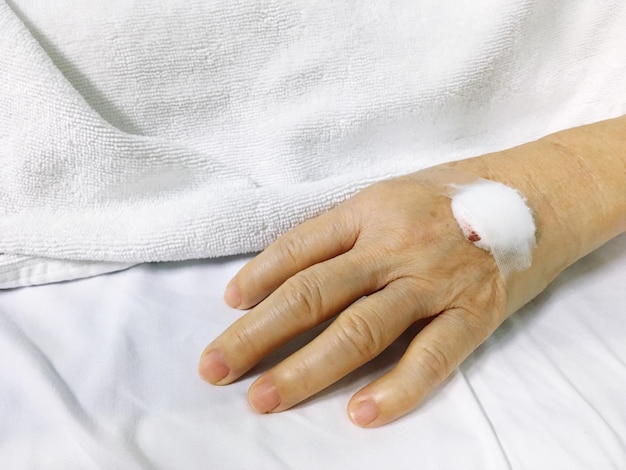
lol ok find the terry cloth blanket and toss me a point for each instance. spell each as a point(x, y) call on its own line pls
point(154, 131)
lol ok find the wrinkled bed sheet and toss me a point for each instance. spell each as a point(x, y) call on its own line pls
point(101, 373)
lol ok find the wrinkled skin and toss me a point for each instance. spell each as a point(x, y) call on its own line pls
point(393, 255)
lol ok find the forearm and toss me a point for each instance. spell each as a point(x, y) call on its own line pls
point(575, 183)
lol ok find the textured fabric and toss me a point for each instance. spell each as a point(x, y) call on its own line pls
point(151, 131)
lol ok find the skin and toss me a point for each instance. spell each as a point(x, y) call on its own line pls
point(396, 247)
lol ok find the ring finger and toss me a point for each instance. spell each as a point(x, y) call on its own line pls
point(358, 335)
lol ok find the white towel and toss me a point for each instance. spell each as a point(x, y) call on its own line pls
point(154, 131)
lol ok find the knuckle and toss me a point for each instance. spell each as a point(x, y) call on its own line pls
point(304, 298)
point(292, 249)
point(433, 362)
point(243, 340)
point(360, 335)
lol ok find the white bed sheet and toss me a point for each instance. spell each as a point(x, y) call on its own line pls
point(101, 373)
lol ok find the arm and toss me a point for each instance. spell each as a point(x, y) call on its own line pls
point(397, 247)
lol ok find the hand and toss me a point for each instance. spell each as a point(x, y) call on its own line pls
point(385, 259)
point(393, 255)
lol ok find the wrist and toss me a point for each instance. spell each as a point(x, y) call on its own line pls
point(574, 183)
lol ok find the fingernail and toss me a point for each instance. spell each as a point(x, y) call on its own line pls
point(264, 397)
point(364, 413)
point(212, 366)
point(231, 295)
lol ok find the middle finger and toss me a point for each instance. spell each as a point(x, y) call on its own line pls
point(358, 335)
point(302, 302)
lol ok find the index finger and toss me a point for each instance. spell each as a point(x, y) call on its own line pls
point(324, 237)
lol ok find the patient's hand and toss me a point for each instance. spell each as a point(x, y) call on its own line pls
point(391, 256)
point(397, 248)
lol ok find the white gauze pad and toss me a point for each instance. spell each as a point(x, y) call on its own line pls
point(496, 218)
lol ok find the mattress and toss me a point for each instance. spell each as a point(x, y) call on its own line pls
point(101, 373)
